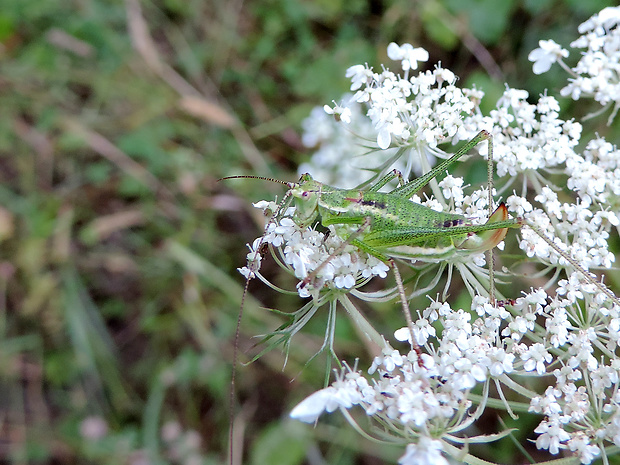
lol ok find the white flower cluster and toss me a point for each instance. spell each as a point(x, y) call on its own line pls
point(403, 393)
point(424, 109)
point(429, 395)
point(531, 140)
point(303, 249)
point(408, 116)
point(596, 175)
point(340, 159)
point(578, 231)
point(527, 138)
point(582, 409)
point(596, 75)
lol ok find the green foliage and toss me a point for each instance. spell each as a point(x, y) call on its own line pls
point(280, 444)
point(487, 19)
point(118, 251)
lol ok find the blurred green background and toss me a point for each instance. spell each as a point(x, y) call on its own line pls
point(119, 293)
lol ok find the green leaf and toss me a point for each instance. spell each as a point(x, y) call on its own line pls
point(536, 6)
point(437, 28)
point(280, 444)
point(487, 19)
point(7, 27)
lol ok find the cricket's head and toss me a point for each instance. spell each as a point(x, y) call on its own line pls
point(308, 192)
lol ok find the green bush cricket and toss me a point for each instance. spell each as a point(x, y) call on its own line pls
point(389, 225)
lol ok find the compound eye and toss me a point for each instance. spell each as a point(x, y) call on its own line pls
point(305, 194)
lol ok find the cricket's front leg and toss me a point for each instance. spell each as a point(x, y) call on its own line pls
point(406, 310)
point(389, 261)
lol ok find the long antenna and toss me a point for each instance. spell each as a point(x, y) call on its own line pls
point(587, 275)
point(231, 400)
point(247, 176)
point(251, 274)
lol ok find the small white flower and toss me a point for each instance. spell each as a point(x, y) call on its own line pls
point(552, 435)
point(580, 443)
point(408, 55)
point(548, 53)
point(426, 452)
point(557, 327)
point(500, 362)
point(360, 75)
point(343, 113)
point(548, 403)
point(452, 188)
point(535, 358)
point(309, 409)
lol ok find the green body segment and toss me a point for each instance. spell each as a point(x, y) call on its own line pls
point(396, 226)
point(393, 220)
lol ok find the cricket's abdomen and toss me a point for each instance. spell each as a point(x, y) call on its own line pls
point(394, 220)
point(399, 213)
